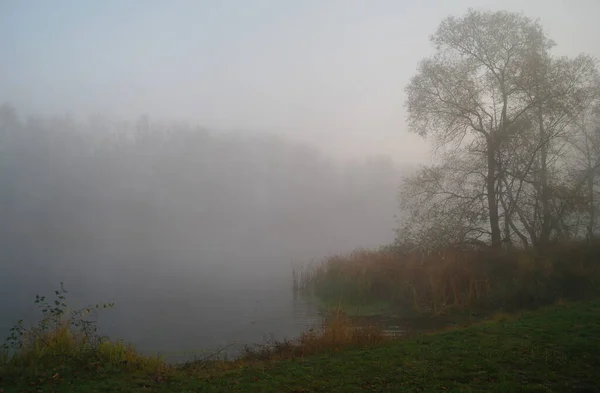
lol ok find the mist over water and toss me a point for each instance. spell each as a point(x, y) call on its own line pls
point(193, 234)
point(193, 231)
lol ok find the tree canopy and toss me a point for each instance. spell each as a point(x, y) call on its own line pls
point(515, 133)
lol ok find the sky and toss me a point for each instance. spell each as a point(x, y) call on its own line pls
point(330, 72)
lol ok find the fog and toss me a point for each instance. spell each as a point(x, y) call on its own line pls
point(330, 73)
point(177, 158)
point(168, 218)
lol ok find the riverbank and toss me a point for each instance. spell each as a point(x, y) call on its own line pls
point(455, 281)
point(551, 349)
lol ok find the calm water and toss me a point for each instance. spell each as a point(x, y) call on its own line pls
point(169, 308)
point(181, 319)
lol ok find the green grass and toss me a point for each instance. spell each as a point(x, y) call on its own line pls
point(555, 349)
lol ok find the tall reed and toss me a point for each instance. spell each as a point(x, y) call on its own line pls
point(459, 279)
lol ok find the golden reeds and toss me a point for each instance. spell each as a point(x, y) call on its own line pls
point(457, 279)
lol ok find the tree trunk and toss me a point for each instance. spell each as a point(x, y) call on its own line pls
point(543, 194)
point(491, 194)
point(592, 222)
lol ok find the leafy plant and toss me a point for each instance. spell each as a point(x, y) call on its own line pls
point(60, 333)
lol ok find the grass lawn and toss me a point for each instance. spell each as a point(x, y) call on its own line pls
point(556, 349)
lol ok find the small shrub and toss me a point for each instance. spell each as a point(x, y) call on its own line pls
point(64, 340)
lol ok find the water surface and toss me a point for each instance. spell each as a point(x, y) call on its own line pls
point(182, 309)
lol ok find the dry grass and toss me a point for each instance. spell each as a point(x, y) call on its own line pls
point(336, 332)
point(459, 280)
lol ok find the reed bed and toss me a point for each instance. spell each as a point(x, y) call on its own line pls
point(454, 279)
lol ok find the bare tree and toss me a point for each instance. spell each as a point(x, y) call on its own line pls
point(446, 204)
point(535, 161)
point(585, 165)
point(467, 92)
point(492, 94)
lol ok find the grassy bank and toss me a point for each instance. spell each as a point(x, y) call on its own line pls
point(454, 281)
point(552, 349)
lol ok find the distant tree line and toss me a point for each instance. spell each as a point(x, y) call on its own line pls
point(74, 189)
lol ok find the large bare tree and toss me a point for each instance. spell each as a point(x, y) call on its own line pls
point(467, 92)
point(492, 94)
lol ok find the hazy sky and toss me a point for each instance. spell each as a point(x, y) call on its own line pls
point(332, 72)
